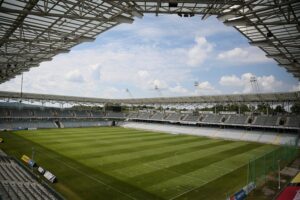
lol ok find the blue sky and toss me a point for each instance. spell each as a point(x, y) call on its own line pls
point(167, 52)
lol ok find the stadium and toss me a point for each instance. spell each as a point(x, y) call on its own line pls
point(236, 145)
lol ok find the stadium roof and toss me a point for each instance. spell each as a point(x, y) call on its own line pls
point(260, 97)
point(33, 31)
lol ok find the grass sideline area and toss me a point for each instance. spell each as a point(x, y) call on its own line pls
point(121, 163)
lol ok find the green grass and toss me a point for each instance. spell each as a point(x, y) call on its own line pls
point(118, 163)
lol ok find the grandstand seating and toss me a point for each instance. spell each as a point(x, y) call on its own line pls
point(231, 134)
point(212, 118)
point(82, 114)
point(16, 183)
point(158, 116)
point(63, 113)
point(293, 121)
point(191, 118)
point(237, 120)
point(28, 118)
point(83, 123)
point(173, 117)
point(4, 113)
point(46, 113)
point(143, 115)
point(24, 124)
point(133, 115)
point(16, 113)
point(97, 114)
point(265, 120)
point(115, 115)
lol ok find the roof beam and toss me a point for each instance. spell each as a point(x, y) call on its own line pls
point(66, 16)
point(29, 6)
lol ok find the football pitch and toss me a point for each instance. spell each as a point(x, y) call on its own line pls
point(121, 163)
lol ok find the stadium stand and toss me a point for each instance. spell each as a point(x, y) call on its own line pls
point(237, 120)
point(133, 115)
point(143, 115)
point(27, 117)
point(266, 121)
point(212, 119)
point(173, 117)
point(16, 118)
point(74, 123)
point(191, 118)
point(158, 116)
point(25, 124)
point(45, 113)
point(293, 122)
point(97, 114)
point(115, 115)
point(16, 183)
point(63, 113)
point(82, 114)
point(230, 134)
point(4, 113)
point(21, 113)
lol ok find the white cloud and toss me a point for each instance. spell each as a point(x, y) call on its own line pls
point(178, 89)
point(143, 73)
point(231, 80)
point(111, 92)
point(243, 83)
point(295, 87)
point(239, 56)
point(75, 76)
point(206, 88)
point(143, 55)
point(198, 53)
point(233, 54)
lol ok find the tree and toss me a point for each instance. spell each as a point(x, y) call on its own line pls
point(279, 109)
point(264, 108)
point(295, 109)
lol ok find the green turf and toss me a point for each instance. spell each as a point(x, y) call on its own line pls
point(118, 163)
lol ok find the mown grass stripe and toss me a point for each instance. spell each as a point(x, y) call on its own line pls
point(186, 167)
point(175, 160)
point(94, 139)
point(129, 148)
point(207, 174)
point(141, 152)
point(104, 145)
point(117, 161)
point(157, 155)
point(74, 136)
point(89, 184)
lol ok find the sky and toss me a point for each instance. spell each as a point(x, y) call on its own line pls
point(165, 52)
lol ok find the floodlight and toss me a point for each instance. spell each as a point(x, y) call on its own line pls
point(33, 65)
point(237, 22)
point(270, 34)
point(45, 59)
point(24, 70)
point(226, 16)
point(85, 39)
point(137, 14)
point(173, 5)
point(286, 65)
point(277, 56)
point(292, 70)
point(123, 19)
point(62, 51)
point(261, 43)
